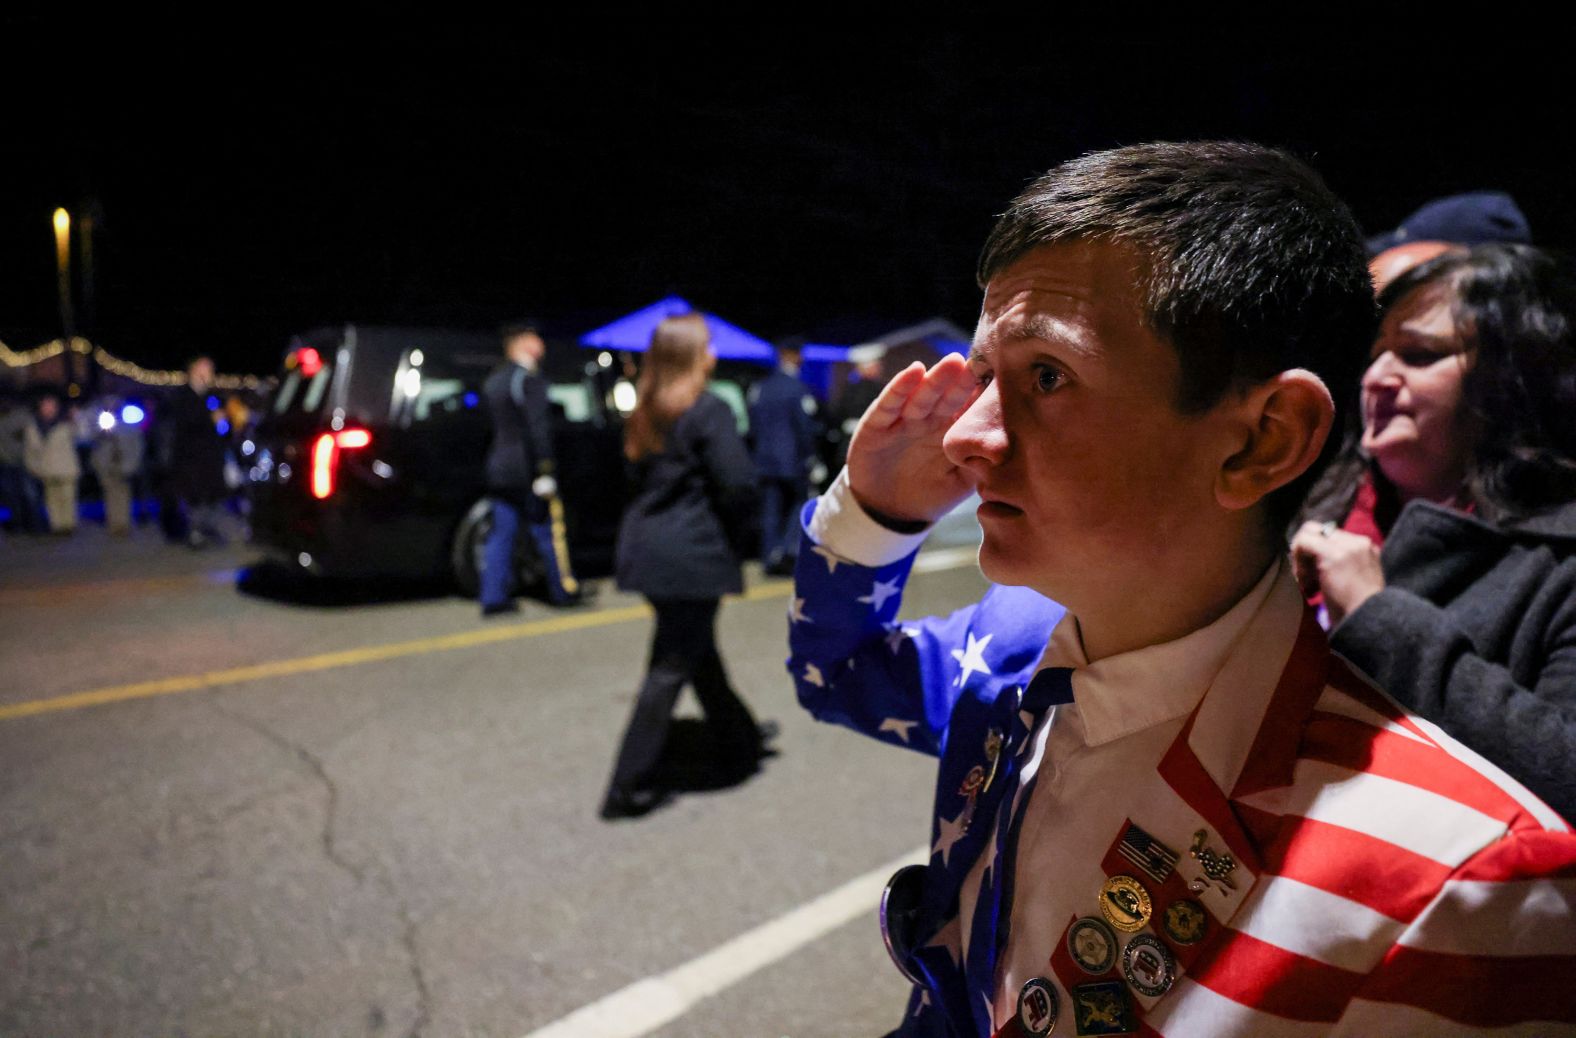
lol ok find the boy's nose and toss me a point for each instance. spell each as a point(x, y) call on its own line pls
point(977, 441)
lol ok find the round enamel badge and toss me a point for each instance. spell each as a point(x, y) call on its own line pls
point(1092, 945)
point(1148, 966)
point(1184, 921)
point(1037, 1007)
point(1125, 903)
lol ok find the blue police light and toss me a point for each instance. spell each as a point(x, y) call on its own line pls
point(471, 399)
point(223, 427)
point(213, 403)
point(131, 414)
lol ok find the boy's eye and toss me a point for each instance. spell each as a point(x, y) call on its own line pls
point(1047, 378)
point(982, 375)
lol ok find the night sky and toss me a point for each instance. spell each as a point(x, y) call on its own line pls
point(257, 180)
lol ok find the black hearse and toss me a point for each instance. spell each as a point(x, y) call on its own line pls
point(368, 460)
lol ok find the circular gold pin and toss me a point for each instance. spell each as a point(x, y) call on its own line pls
point(1184, 921)
point(1125, 903)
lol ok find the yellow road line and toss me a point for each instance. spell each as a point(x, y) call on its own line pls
point(394, 650)
point(348, 657)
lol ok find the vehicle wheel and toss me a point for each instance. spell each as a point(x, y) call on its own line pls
point(466, 554)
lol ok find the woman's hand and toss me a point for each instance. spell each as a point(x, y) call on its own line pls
point(1344, 566)
point(895, 463)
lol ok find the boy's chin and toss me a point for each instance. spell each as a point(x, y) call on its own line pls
point(997, 567)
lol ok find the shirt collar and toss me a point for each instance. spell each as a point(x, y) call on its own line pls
point(1131, 691)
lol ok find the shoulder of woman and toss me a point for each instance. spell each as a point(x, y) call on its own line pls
point(703, 414)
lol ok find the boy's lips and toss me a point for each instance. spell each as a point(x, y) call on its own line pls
point(994, 506)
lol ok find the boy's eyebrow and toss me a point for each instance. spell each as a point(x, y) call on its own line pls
point(1044, 328)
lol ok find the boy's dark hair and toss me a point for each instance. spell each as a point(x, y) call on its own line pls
point(1252, 265)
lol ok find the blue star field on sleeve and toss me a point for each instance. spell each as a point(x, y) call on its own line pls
point(831, 557)
point(971, 660)
point(880, 591)
point(897, 727)
point(898, 636)
point(948, 832)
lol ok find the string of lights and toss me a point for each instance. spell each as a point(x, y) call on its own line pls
point(114, 365)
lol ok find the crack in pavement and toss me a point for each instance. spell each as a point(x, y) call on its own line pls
point(315, 766)
point(378, 876)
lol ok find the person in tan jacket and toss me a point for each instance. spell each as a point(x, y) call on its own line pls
point(50, 454)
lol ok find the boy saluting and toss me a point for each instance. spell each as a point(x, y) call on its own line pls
point(1163, 806)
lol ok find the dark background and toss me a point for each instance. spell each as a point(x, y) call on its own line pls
point(251, 179)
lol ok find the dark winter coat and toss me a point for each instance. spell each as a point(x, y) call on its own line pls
point(196, 449)
point(1476, 631)
point(684, 532)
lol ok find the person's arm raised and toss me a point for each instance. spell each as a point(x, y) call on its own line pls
point(896, 467)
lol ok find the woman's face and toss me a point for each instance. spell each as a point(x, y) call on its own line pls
point(1414, 425)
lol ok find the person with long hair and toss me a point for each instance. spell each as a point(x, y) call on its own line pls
point(679, 545)
point(1466, 475)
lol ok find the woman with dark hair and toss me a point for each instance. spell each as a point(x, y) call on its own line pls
point(1467, 478)
point(680, 545)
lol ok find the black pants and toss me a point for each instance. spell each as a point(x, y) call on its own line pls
point(683, 651)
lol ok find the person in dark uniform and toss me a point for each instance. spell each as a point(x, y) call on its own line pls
point(856, 398)
point(783, 420)
point(679, 545)
point(196, 459)
point(520, 476)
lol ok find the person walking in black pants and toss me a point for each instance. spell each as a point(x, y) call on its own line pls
point(680, 545)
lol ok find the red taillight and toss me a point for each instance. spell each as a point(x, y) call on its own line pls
point(310, 360)
point(325, 457)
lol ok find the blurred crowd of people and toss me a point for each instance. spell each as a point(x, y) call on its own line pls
point(126, 461)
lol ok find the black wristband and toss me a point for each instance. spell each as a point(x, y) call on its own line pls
point(896, 525)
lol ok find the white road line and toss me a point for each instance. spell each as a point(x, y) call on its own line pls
point(648, 1004)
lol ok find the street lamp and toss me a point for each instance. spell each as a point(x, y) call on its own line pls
point(63, 276)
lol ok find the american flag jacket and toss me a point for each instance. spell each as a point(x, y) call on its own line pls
point(1388, 882)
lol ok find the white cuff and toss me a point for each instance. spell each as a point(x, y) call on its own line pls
point(847, 530)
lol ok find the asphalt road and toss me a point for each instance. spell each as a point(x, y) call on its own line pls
point(230, 813)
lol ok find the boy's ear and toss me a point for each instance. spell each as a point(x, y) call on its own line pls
point(1282, 424)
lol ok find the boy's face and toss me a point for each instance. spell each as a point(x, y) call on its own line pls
point(1088, 473)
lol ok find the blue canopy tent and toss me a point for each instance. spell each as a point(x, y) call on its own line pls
point(633, 333)
point(904, 345)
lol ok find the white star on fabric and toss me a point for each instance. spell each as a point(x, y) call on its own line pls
point(831, 559)
point(812, 674)
point(951, 832)
point(898, 635)
point(990, 1010)
point(924, 1001)
point(972, 658)
point(897, 727)
point(950, 937)
point(796, 611)
point(880, 591)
